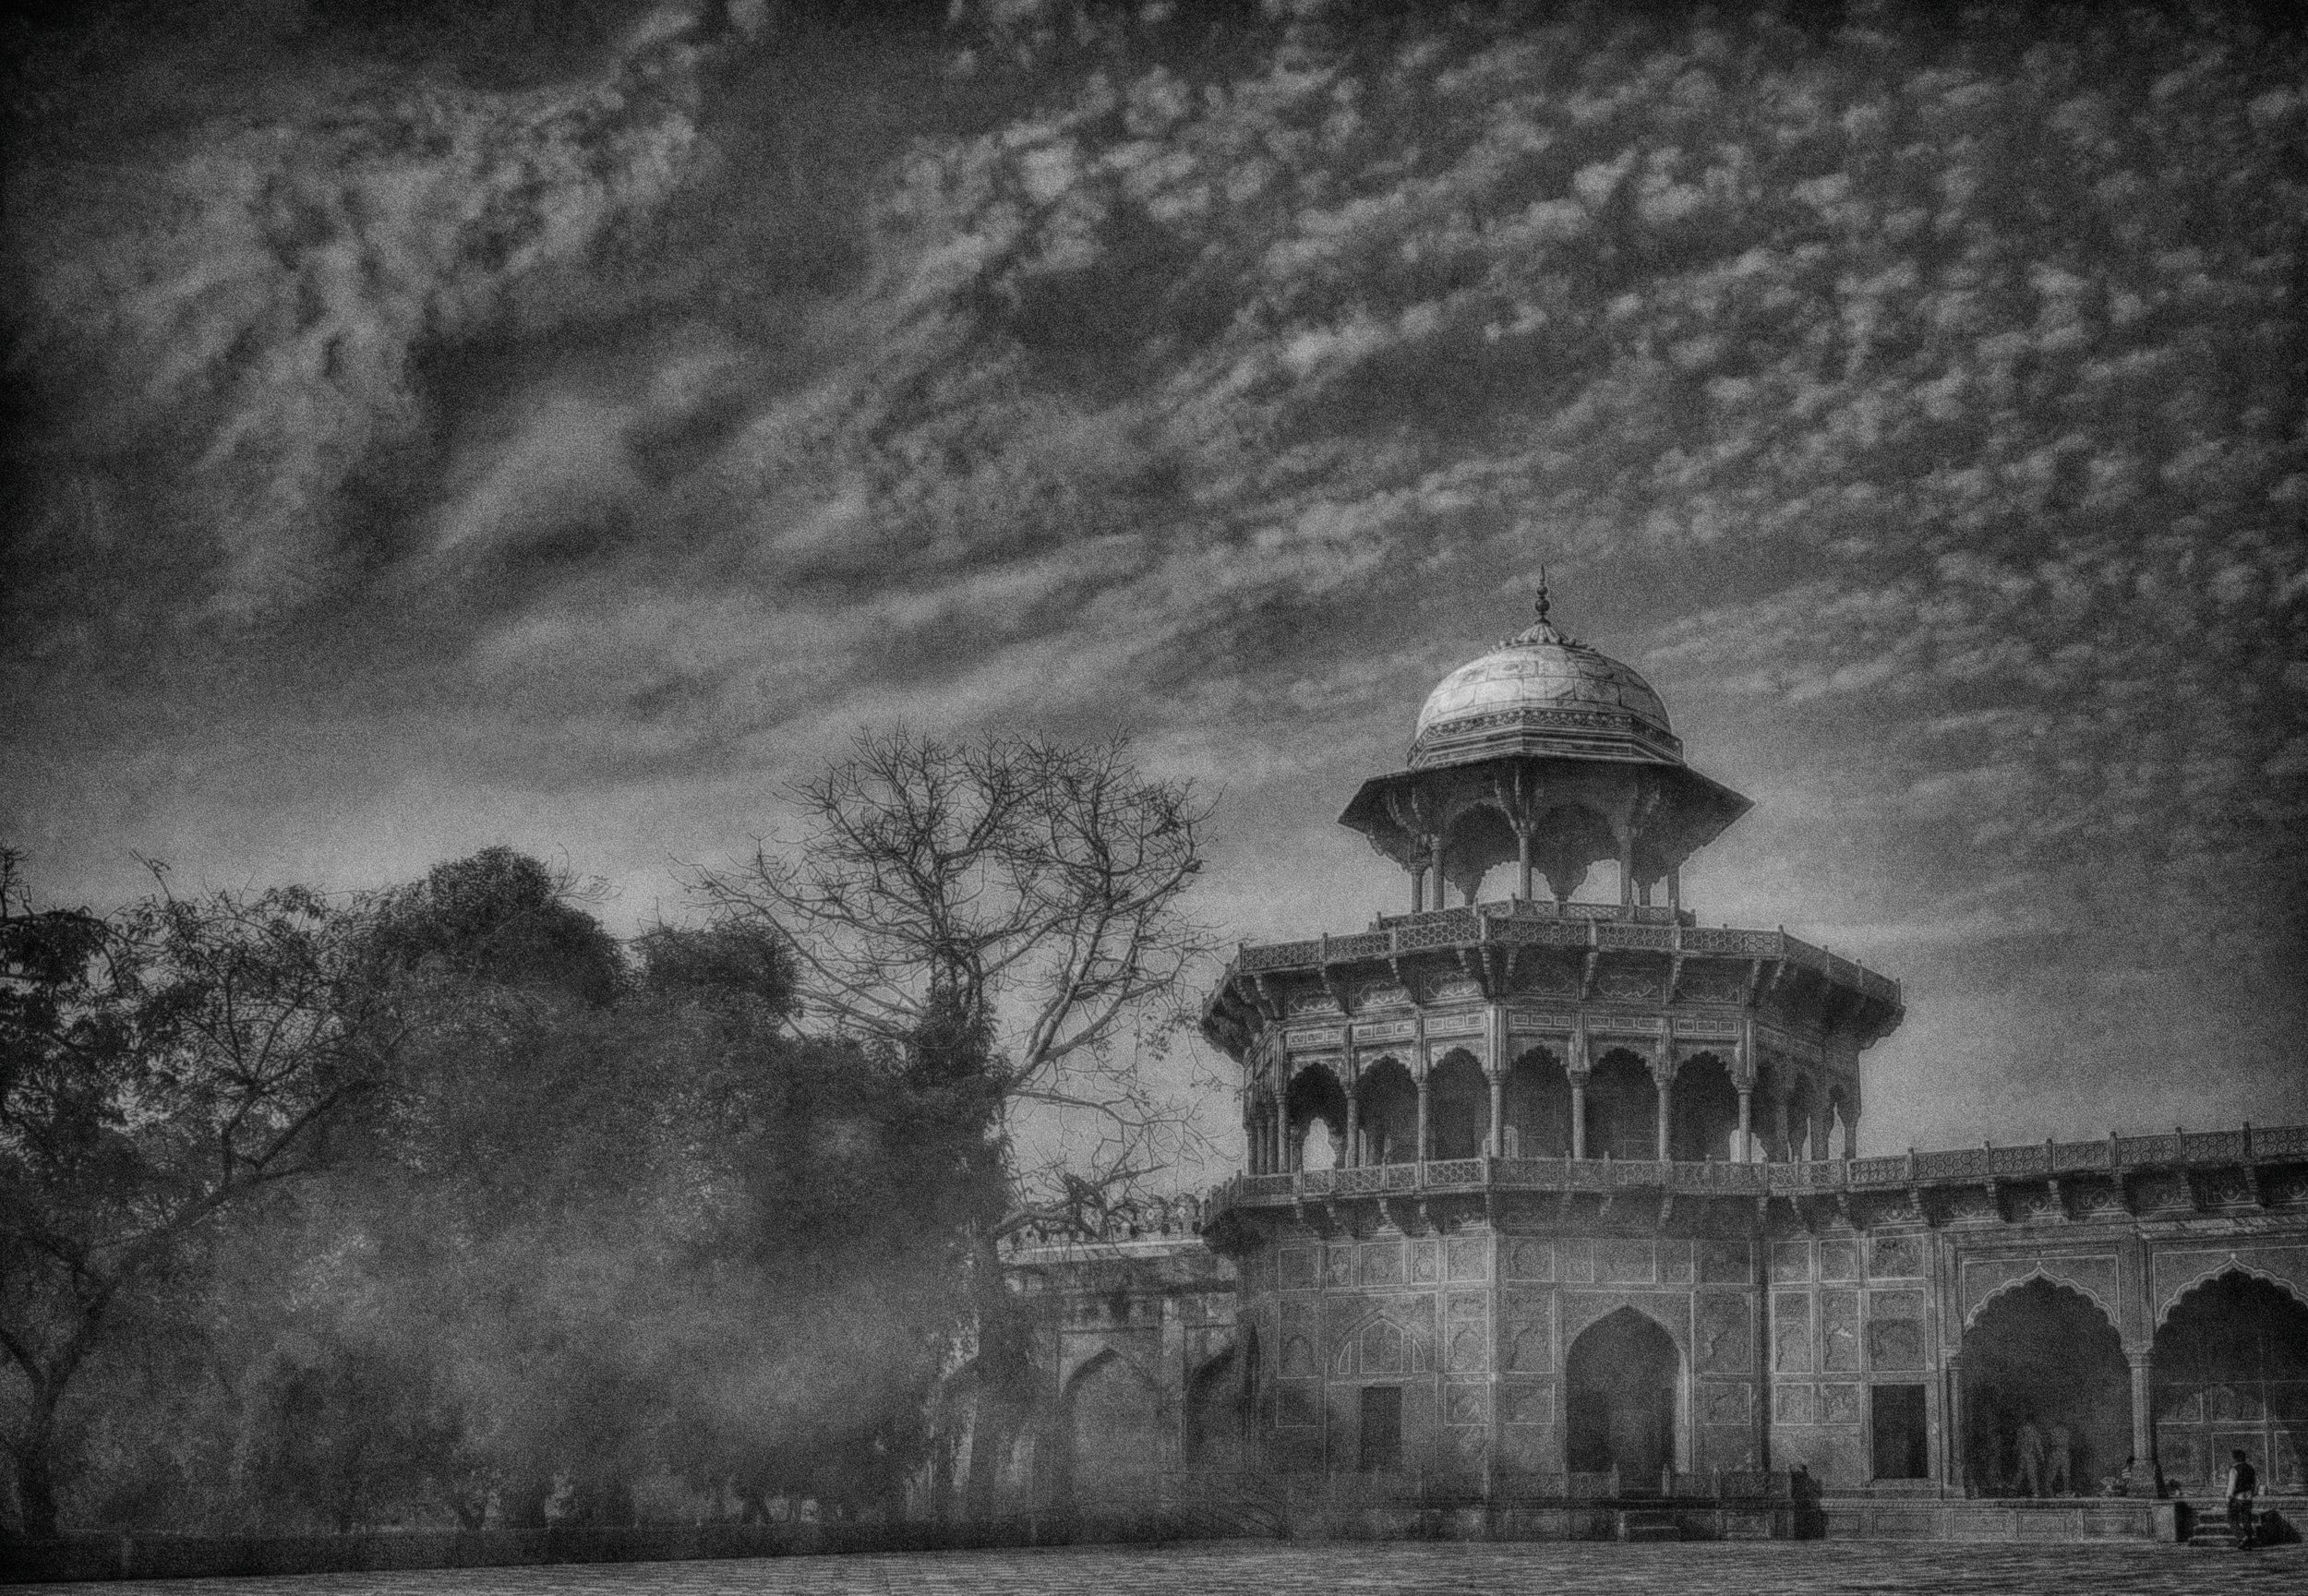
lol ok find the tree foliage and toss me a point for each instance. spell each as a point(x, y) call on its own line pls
point(158, 1067)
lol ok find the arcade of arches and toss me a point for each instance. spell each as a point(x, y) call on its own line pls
point(1537, 1108)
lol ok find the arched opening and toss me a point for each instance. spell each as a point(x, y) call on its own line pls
point(1214, 1413)
point(1316, 1106)
point(1767, 1105)
point(1537, 1107)
point(1480, 840)
point(1620, 1400)
point(1842, 1129)
point(1113, 1449)
point(2231, 1376)
point(2047, 1393)
point(1705, 1111)
point(1802, 1108)
point(1566, 841)
point(1387, 1104)
point(1458, 1106)
point(1622, 1108)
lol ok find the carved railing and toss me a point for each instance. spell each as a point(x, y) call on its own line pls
point(2038, 1161)
point(1461, 926)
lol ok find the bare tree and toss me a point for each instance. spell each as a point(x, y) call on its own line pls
point(1008, 909)
point(1029, 888)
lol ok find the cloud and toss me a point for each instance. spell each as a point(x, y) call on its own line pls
point(1917, 409)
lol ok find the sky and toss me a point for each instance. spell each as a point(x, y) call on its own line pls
point(431, 425)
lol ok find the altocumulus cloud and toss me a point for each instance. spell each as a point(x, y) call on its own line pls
point(434, 439)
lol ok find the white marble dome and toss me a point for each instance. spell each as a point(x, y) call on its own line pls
point(1535, 689)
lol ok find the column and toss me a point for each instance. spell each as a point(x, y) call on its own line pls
point(1674, 889)
point(1282, 1136)
point(1418, 889)
point(1522, 860)
point(1578, 1115)
point(1663, 1082)
point(1627, 874)
point(2143, 1413)
point(1851, 1134)
point(1354, 1128)
point(1437, 868)
point(1779, 1127)
point(1422, 1116)
point(1952, 1473)
point(1498, 1113)
point(1746, 1124)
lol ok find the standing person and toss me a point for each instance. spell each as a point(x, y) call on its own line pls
point(2062, 1455)
point(2031, 1458)
point(2243, 1489)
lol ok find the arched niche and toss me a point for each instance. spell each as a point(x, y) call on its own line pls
point(2230, 1362)
point(1621, 1383)
point(1705, 1111)
point(1537, 1107)
point(1458, 1106)
point(1387, 1101)
point(1113, 1416)
point(1842, 1121)
point(1315, 1104)
point(2044, 1378)
point(1622, 1107)
point(1217, 1412)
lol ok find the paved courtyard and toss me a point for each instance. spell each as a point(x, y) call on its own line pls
point(1223, 1568)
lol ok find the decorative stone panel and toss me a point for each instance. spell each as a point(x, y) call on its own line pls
point(1791, 1331)
point(1895, 1256)
point(1625, 1261)
point(1528, 1258)
point(1382, 1263)
point(1294, 1268)
point(1467, 1258)
point(1725, 1342)
point(1529, 1340)
point(1527, 1404)
point(1791, 1404)
point(1466, 1402)
point(1839, 1331)
point(1578, 1260)
point(1725, 1402)
point(1425, 1262)
point(1725, 1263)
point(1839, 1404)
point(1790, 1261)
point(1839, 1259)
point(1338, 1268)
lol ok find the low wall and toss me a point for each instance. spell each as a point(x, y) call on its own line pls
point(1909, 1518)
point(201, 1556)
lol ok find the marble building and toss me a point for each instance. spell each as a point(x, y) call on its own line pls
point(1549, 1199)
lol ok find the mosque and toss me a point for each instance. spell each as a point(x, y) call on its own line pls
point(1553, 1220)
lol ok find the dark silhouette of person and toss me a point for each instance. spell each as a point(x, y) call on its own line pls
point(2031, 1458)
point(2243, 1490)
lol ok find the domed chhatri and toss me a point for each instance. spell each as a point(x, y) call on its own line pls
point(1552, 755)
point(1543, 692)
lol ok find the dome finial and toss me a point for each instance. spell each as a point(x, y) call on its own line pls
point(1542, 605)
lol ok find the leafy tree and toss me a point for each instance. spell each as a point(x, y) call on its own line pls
point(159, 1067)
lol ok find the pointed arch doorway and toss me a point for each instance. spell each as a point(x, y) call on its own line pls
point(1621, 1378)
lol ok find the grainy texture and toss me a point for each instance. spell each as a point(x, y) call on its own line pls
point(1222, 1568)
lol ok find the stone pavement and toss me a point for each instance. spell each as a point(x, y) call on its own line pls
point(1261, 1569)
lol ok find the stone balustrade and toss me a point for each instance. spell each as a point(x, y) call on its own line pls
point(2038, 1160)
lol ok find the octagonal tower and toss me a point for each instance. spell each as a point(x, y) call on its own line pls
point(1482, 1136)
